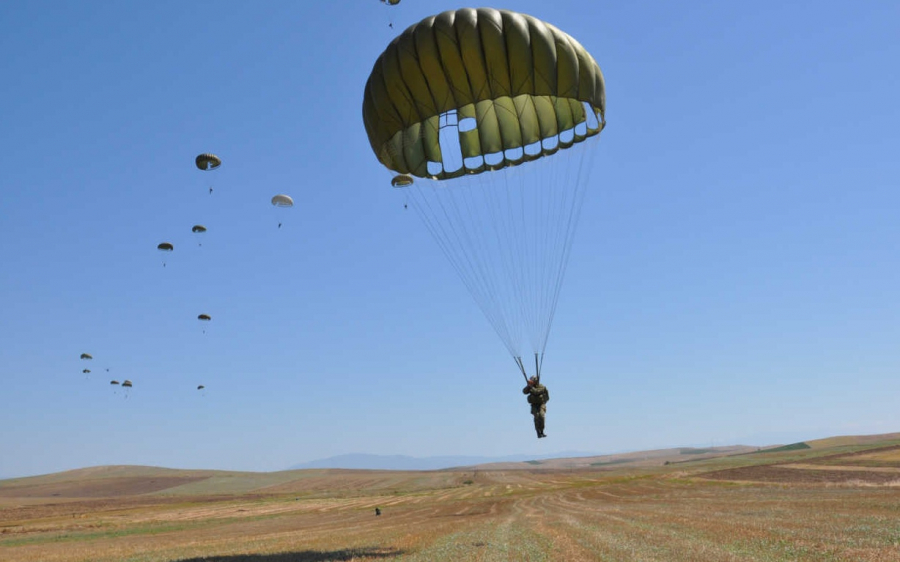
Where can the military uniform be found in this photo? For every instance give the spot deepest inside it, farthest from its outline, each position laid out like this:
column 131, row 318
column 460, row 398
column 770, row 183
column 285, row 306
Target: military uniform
column 538, row 396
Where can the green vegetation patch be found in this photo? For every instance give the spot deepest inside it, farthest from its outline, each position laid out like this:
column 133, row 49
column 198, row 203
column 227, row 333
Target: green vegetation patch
column 791, row 447
column 607, row 463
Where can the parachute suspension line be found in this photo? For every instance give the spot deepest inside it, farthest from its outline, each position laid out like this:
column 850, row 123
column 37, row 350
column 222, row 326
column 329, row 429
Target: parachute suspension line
column 521, row 367
column 584, row 152
column 537, row 366
column 457, row 246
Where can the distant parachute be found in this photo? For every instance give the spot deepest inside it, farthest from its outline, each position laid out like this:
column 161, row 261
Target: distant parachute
column 204, row 317
column 86, row 371
column 127, row 384
column 198, row 229
column 165, row 247
column 390, row 2
column 87, row 356
column 201, row 387
column 402, row 180
column 208, row 161
column 113, row 382
column 283, row 201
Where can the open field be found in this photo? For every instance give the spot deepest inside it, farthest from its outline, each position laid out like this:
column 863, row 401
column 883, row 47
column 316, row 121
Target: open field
column 823, row 501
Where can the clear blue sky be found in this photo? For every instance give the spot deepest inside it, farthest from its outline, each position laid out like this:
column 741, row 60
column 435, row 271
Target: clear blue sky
column 734, row 277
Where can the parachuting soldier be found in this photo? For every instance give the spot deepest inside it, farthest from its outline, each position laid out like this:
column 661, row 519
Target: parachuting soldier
column 538, row 396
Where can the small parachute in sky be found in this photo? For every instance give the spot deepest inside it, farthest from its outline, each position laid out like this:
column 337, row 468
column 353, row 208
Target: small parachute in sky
column 390, row 3
column 198, row 229
column 87, row 356
column 86, row 371
column 283, row 201
column 113, row 382
column 126, row 383
column 165, row 247
column 204, row 317
column 201, row 387
column 402, row 180
column 208, row 161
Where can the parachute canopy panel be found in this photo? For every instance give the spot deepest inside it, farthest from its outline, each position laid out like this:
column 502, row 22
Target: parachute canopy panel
column 127, row 384
column 510, row 87
column 165, row 247
column 282, row 201
column 208, row 161
column 87, row 356
column 204, row 317
column 198, row 228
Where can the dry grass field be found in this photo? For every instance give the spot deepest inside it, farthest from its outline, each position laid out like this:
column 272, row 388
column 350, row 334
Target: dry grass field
column 819, row 501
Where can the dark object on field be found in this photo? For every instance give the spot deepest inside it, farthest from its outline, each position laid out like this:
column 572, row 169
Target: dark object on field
column 377, row 511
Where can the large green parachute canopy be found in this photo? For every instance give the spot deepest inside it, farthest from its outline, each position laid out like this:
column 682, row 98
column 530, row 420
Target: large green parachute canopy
column 127, row 384
column 204, row 317
column 511, row 83
column 282, row 201
column 165, row 247
column 467, row 96
column 198, row 229
column 208, row 161
column 87, row 356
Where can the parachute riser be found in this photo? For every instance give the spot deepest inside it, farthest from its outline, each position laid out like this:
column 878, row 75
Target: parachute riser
column 538, row 362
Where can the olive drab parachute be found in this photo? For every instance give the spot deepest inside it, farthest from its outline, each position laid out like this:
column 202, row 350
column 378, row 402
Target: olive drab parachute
column 207, row 161
column 402, row 180
column 511, row 81
column 198, row 229
column 204, row 317
column 87, row 356
column 165, row 247
column 201, row 387
column 113, row 382
column 86, row 371
column 503, row 109
column 127, row 384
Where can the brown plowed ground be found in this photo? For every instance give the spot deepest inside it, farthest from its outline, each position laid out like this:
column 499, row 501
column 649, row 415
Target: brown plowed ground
column 869, row 467
column 104, row 488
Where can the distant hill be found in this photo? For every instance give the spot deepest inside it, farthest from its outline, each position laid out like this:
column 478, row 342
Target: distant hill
column 403, row 462
column 867, row 458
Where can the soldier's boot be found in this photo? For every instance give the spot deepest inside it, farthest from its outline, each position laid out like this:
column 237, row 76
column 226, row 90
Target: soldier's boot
column 539, row 425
